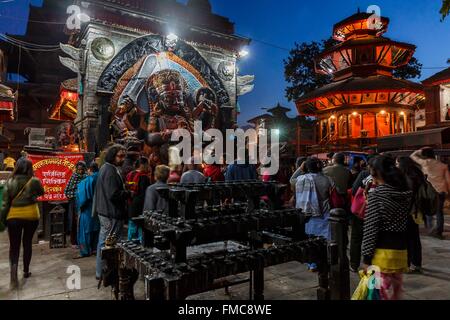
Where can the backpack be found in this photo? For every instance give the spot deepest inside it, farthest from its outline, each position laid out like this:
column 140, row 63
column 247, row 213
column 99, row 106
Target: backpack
column 133, row 181
column 427, row 199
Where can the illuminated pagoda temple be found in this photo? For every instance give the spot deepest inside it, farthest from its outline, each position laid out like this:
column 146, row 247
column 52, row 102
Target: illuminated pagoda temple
column 364, row 101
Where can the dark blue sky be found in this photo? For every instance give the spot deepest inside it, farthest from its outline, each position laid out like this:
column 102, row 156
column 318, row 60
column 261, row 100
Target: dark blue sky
column 283, row 22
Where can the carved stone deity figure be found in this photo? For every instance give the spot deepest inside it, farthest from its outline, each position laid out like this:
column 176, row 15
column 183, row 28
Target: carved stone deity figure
column 169, row 111
column 152, row 101
column 206, row 109
column 120, row 125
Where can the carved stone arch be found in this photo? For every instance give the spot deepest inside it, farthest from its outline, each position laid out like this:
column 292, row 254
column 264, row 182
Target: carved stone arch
column 151, row 44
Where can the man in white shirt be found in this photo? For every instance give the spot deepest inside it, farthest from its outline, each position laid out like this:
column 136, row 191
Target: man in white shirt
column 438, row 175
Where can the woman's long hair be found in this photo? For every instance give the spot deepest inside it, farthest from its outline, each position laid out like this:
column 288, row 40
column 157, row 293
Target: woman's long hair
column 24, row 167
column 384, row 167
column 412, row 171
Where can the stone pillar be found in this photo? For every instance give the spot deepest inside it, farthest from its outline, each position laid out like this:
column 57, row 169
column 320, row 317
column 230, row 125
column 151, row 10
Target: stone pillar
column 432, row 105
column 339, row 263
column 376, row 125
column 391, row 122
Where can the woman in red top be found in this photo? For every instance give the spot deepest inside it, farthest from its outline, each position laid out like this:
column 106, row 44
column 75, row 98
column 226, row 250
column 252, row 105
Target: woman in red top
column 213, row 172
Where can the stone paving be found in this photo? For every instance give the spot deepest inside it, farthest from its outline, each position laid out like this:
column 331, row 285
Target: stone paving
column 289, row 281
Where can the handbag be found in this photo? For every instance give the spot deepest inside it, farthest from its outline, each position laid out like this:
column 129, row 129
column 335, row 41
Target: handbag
column 336, row 200
column 359, row 204
column 6, row 210
column 362, row 290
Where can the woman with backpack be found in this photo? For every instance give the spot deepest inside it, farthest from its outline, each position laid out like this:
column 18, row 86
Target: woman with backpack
column 416, row 182
column 385, row 240
column 21, row 213
column 137, row 182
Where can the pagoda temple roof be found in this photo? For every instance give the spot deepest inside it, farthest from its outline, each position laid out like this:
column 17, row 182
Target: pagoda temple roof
column 356, row 17
column 368, row 41
column 279, row 108
column 359, row 23
column 438, row 78
column 363, row 85
column 262, row 116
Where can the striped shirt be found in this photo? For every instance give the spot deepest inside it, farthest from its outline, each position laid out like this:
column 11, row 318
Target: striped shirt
column 385, row 221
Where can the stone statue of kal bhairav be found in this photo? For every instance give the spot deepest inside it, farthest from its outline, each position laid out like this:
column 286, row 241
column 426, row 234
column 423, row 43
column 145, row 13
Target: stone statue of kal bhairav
column 169, row 110
column 163, row 100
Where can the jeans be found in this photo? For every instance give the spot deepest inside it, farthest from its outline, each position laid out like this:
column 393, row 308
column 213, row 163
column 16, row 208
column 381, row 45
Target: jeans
column 414, row 244
column 134, row 232
column 356, row 241
column 107, row 226
column 21, row 231
column 439, row 229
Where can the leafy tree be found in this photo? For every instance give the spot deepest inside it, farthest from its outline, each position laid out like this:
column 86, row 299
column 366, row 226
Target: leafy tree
column 410, row 71
column 445, row 10
column 299, row 68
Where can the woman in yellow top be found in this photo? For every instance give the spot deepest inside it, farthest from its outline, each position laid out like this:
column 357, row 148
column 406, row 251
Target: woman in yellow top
column 9, row 164
column 21, row 213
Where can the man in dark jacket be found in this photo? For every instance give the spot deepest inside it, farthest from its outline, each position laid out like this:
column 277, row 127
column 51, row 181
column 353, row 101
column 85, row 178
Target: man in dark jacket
column 110, row 202
column 340, row 174
column 153, row 200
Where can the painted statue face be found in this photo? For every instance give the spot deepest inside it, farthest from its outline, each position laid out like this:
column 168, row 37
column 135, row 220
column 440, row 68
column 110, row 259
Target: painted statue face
column 172, row 97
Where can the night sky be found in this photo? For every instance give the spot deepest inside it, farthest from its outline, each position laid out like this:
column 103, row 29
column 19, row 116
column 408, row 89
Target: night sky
column 283, row 22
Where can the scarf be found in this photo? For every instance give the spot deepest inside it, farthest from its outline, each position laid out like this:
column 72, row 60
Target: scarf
column 306, row 195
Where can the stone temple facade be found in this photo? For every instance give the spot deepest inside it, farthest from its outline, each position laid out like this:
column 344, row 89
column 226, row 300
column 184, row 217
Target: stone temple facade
column 120, row 50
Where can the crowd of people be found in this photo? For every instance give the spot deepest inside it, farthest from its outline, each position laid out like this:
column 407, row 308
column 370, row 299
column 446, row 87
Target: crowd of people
column 103, row 197
column 385, row 200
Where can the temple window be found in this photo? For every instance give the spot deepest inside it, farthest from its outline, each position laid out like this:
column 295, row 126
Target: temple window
column 355, row 125
column 343, row 132
column 383, row 124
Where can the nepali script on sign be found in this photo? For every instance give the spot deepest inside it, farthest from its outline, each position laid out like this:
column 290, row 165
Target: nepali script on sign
column 54, row 171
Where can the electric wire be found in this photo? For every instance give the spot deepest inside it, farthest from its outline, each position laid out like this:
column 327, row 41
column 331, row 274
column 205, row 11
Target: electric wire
column 19, row 45
column 28, row 43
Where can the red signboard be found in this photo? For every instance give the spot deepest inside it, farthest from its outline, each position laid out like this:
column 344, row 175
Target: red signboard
column 54, row 171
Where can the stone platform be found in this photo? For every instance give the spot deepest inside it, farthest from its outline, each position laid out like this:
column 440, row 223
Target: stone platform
column 289, row 281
